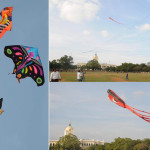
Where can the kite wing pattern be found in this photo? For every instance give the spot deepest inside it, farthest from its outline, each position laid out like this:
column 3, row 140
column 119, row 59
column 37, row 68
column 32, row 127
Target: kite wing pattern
column 27, row 62
column 6, row 21
column 17, row 53
column 117, row 100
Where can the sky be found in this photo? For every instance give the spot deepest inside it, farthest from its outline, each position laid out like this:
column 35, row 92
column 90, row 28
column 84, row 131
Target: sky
column 78, row 26
column 93, row 115
column 24, row 123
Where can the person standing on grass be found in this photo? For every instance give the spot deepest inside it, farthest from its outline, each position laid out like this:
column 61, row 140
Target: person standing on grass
column 82, row 78
column 127, row 76
column 78, row 76
column 55, row 76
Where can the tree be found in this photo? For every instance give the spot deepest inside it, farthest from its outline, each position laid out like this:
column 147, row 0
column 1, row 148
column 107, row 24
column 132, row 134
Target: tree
column 93, row 64
column 111, row 69
column 141, row 146
column 146, row 141
column 54, row 64
column 126, row 67
column 69, row 142
column 122, row 144
column 66, row 62
column 97, row 147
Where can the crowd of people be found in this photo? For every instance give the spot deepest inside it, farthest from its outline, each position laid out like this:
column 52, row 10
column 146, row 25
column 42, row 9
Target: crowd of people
column 55, row 76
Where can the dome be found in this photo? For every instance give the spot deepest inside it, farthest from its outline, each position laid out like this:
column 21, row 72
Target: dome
column 95, row 57
column 69, row 130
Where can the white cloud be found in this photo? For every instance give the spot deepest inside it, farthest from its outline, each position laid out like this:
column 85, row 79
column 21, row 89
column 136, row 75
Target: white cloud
column 138, row 94
column 105, row 33
column 86, row 32
column 77, row 10
column 144, row 27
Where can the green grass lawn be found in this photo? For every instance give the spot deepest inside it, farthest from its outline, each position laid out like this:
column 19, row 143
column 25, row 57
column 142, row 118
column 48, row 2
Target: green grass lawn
column 106, row 77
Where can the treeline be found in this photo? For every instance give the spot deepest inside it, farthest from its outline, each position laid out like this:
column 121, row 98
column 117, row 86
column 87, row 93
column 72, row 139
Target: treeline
column 124, row 144
column 67, row 142
column 129, row 67
column 71, row 142
column 64, row 63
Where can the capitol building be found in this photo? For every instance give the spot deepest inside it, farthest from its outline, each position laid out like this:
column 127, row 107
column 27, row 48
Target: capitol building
column 84, row 143
column 95, row 57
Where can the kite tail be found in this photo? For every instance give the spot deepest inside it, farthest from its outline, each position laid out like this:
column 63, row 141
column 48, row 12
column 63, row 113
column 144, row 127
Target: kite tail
column 2, row 33
column 142, row 114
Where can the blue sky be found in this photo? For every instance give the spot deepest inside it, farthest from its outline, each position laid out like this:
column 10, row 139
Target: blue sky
column 24, row 122
column 83, row 25
column 93, row 115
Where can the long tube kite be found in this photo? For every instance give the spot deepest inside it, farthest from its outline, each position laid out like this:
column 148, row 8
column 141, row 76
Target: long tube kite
column 6, row 21
column 115, row 20
column 117, row 100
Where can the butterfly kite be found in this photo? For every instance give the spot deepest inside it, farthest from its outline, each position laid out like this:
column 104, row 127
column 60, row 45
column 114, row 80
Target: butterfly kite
column 6, row 21
column 1, row 101
column 116, row 99
column 27, row 62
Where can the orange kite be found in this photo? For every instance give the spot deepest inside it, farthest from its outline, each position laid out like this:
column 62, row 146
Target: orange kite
column 6, row 21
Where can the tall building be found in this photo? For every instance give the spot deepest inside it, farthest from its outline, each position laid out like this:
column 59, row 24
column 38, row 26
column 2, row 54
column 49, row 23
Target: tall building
column 95, row 57
column 69, row 130
column 84, row 143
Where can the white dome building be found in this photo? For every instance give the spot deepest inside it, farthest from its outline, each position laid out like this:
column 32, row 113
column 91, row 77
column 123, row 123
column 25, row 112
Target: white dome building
column 84, row 143
column 95, row 57
column 69, row 130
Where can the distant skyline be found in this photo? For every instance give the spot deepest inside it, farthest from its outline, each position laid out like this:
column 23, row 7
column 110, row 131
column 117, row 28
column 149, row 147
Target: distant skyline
column 93, row 115
column 83, row 25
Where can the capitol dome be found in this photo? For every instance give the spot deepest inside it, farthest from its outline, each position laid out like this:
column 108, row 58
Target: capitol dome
column 69, row 130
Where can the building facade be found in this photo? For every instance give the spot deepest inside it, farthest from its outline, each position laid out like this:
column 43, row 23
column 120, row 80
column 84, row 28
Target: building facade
column 104, row 66
column 84, row 143
column 79, row 65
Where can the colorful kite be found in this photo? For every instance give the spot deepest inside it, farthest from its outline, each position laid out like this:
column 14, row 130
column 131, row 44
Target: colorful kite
column 27, row 62
column 1, row 101
column 6, row 22
column 115, row 20
column 116, row 99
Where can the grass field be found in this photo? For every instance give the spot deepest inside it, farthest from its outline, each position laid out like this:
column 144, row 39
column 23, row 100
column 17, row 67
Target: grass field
column 106, row 77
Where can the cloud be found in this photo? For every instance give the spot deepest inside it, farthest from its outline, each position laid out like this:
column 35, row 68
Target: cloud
column 144, row 27
column 138, row 94
column 77, row 10
column 86, row 32
column 105, row 33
